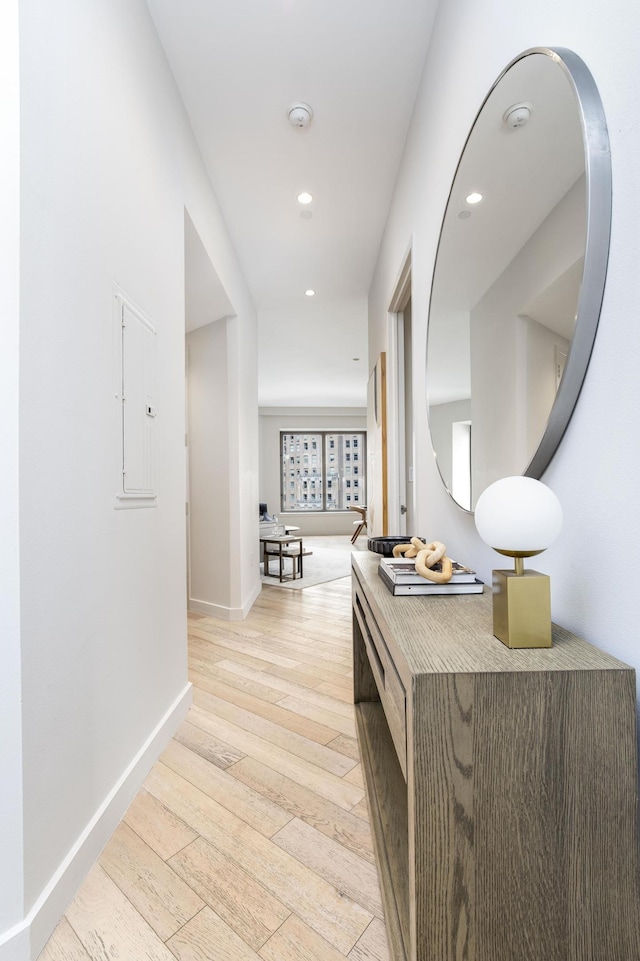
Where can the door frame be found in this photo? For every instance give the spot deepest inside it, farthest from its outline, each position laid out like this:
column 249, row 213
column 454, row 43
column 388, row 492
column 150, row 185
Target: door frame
column 396, row 452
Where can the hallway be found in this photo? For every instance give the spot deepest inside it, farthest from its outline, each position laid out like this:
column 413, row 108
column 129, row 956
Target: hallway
column 250, row 839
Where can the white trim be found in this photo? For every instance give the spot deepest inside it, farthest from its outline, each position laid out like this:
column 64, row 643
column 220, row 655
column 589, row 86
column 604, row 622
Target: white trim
column 221, row 612
column 402, row 286
column 128, row 501
column 396, row 455
column 298, row 513
column 27, row 939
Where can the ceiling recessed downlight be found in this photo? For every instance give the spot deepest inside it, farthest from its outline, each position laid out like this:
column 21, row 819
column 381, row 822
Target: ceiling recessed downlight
column 310, row 293
column 473, row 198
column 304, row 197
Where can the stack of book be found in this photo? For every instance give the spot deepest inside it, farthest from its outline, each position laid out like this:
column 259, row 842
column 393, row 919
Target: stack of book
column 401, row 577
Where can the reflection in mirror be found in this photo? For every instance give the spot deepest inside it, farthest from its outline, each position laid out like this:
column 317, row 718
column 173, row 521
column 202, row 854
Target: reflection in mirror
column 519, row 277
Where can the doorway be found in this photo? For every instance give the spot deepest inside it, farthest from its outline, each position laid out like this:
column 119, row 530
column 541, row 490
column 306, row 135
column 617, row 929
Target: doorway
column 208, row 407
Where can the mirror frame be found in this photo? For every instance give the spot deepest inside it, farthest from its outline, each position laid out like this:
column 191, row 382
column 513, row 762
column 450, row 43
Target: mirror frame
column 598, row 198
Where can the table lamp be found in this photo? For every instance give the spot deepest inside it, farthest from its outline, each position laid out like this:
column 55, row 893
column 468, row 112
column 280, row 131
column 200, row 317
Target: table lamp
column 520, row 517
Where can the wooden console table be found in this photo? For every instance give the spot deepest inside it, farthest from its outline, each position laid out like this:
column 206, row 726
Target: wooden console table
column 502, row 785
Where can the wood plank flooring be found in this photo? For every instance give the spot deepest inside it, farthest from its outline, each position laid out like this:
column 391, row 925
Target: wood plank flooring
column 249, row 840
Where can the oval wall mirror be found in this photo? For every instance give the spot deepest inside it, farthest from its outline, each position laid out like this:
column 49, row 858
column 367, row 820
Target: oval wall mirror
column 519, row 274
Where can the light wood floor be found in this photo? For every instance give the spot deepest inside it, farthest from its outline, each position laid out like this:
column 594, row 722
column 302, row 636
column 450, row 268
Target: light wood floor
column 249, row 840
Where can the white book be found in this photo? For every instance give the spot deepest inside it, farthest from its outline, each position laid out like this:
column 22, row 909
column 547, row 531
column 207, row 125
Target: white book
column 429, row 587
column 404, row 571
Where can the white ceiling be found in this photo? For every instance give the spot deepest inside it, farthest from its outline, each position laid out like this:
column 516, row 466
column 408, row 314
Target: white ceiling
column 239, row 65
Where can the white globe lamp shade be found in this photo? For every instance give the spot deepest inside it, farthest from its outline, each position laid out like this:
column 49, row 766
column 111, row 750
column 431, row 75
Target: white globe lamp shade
column 518, row 515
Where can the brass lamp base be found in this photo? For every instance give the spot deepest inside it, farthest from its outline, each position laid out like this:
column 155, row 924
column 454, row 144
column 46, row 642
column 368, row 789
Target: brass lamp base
column 522, row 608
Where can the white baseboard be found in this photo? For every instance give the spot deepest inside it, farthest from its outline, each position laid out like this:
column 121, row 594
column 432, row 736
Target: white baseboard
column 26, row 940
column 221, row 612
column 215, row 610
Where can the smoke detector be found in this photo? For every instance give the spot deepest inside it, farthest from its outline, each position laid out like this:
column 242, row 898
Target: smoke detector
column 300, row 115
column 517, row 115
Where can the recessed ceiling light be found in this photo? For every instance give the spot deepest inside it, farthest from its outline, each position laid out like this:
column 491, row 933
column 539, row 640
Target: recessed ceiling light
column 464, row 215
column 306, row 214
column 310, row 293
column 355, row 358
column 304, row 198
column 474, row 198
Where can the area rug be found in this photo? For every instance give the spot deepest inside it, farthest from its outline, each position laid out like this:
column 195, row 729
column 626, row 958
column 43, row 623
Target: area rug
column 322, row 565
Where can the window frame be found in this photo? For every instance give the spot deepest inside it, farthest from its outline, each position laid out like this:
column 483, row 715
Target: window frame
column 323, row 433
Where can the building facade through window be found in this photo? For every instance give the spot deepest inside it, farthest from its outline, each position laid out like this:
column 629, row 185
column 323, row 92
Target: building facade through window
column 322, row 470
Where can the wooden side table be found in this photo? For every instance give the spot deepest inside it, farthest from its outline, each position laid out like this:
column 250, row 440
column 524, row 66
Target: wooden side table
column 279, row 547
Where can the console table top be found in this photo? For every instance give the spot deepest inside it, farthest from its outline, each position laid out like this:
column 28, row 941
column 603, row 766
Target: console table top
column 452, row 634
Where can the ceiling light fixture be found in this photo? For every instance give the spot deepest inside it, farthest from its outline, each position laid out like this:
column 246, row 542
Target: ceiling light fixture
column 310, row 293
column 474, row 198
column 300, row 115
column 304, row 197
column 517, row 115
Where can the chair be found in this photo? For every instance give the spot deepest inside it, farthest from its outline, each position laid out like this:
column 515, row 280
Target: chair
column 267, row 524
column 263, row 511
column 360, row 525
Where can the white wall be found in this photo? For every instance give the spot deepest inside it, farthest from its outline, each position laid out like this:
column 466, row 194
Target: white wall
column 541, row 381
column 242, row 356
column 596, row 468
column 441, row 420
column 108, row 165
column 275, row 419
column 11, row 874
column 210, row 487
column 509, row 385
column 102, row 590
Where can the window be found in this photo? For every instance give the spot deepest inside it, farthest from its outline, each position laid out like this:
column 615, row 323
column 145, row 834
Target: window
column 323, row 482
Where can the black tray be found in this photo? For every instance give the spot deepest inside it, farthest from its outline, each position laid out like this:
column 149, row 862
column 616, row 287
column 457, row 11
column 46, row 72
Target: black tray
column 385, row 545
